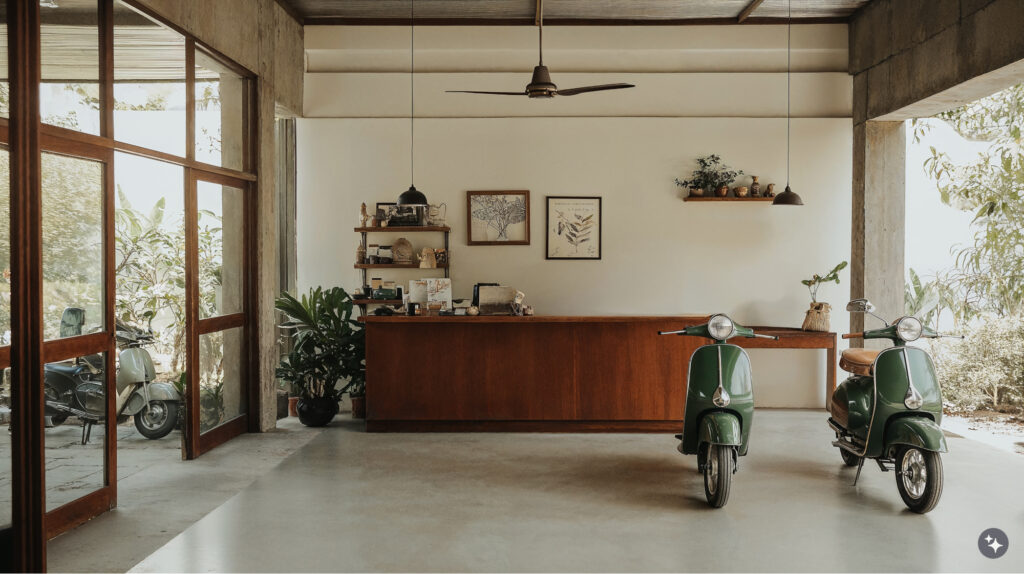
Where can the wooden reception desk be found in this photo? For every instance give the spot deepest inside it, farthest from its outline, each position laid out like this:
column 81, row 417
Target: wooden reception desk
column 568, row 374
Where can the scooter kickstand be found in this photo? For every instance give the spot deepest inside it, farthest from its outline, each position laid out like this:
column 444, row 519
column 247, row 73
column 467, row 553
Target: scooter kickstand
column 859, row 468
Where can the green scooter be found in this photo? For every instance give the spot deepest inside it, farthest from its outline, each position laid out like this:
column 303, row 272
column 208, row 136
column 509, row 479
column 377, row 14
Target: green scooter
column 719, row 404
column 890, row 408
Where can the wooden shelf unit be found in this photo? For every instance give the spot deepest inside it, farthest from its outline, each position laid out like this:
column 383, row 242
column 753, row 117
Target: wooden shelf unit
column 363, row 303
column 703, row 198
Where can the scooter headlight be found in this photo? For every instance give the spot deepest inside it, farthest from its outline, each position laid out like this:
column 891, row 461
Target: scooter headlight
column 720, row 327
column 908, row 328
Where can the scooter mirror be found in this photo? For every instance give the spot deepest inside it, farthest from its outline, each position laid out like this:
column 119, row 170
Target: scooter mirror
column 860, row 306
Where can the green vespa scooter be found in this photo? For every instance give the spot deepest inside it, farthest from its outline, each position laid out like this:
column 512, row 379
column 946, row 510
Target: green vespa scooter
column 889, row 409
column 719, row 404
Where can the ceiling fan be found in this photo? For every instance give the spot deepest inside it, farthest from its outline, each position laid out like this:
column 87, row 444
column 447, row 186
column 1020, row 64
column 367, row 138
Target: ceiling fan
column 540, row 85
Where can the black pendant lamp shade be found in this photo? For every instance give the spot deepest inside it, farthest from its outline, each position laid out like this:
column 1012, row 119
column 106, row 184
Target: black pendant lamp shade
column 413, row 197
column 788, row 197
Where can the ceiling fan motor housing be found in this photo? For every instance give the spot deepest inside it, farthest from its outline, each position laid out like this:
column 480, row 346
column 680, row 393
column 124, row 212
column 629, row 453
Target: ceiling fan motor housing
column 541, row 85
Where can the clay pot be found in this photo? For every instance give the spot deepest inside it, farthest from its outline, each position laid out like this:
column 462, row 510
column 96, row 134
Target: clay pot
column 722, row 191
column 292, row 404
column 741, row 191
column 358, row 407
column 696, row 192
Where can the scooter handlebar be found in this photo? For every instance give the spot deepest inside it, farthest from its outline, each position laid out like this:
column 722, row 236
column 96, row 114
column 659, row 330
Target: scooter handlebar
column 772, row 337
column 853, row 335
column 681, row 332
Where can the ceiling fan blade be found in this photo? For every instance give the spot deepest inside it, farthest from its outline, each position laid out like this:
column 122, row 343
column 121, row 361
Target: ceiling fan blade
column 585, row 89
column 490, row 93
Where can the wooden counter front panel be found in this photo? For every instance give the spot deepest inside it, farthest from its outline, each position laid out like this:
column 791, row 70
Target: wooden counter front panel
column 529, row 371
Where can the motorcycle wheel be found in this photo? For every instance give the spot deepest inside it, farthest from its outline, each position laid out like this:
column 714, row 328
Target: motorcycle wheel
column 158, row 421
column 718, row 475
column 849, row 459
column 919, row 478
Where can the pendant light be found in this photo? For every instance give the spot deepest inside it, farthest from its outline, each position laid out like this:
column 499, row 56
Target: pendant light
column 788, row 197
column 412, row 197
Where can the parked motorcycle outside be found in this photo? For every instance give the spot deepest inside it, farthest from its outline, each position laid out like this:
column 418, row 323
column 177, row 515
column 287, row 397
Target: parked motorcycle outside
column 719, row 404
column 890, row 409
column 77, row 388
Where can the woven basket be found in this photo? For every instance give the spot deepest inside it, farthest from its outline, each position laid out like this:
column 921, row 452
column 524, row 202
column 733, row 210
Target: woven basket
column 817, row 318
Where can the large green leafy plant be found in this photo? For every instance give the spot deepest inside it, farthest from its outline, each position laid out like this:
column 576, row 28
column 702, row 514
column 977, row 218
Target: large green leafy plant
column 328, row 345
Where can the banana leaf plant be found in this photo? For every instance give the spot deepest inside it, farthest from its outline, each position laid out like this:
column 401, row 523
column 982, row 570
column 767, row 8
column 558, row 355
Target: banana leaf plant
column 328, row 344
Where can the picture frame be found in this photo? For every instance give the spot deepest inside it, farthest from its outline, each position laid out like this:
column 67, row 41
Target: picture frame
column 399, row 216
column 498, row 217
column 573, row 228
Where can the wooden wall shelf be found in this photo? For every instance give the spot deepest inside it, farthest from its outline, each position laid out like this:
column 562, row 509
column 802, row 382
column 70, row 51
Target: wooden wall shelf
column 396, row 266
column 762, row 199
column 403, row 229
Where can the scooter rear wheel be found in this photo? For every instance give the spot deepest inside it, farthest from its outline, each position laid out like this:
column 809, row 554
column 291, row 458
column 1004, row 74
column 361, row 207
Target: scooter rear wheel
column 718, row 474
column 919, row 478
column 157, row 421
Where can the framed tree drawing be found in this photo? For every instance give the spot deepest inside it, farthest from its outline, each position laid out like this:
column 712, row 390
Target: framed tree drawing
column 573, row 227
column 498, row 217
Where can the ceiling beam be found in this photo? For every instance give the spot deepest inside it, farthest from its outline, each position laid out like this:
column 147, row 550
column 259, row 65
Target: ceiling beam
column 291, row 11
column 345, row 21
column 748, row 10
column 539, row 13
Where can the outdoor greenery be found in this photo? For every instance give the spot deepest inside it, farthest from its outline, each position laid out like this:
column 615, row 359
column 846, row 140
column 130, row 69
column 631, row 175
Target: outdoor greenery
column 328, row 344
column 983, row 291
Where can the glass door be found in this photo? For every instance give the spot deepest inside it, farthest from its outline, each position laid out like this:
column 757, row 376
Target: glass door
column 217, row 227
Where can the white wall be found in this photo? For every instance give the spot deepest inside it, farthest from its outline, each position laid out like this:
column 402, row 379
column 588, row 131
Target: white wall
column 660, row 256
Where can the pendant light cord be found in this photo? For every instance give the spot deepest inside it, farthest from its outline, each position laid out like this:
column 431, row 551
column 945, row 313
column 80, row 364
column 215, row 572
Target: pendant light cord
column 412, row 93
column 789, row 52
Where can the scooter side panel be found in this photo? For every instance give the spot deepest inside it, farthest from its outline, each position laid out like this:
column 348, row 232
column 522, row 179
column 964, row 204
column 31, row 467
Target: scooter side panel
column 892, row 383
column 709, row 365
column 915, row 431
column 157, row 392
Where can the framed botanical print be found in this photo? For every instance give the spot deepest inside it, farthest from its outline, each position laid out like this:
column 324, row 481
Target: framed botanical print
column 573, row 227
column 498, row 217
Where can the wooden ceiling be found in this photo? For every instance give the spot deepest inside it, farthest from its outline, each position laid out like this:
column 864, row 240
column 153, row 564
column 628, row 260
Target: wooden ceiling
column 568, row 12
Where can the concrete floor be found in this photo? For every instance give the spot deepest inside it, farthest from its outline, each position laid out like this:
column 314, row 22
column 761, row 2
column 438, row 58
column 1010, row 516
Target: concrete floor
column 159, row 495
column 351, row 501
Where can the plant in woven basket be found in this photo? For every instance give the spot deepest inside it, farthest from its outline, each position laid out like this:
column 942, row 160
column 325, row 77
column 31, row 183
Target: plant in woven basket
column 817, row 318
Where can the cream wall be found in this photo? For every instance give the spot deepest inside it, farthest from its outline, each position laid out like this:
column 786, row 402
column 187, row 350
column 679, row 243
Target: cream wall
column 660, row 256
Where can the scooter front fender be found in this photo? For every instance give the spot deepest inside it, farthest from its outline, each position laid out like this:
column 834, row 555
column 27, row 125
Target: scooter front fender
column 922, row 432
column 720, row 427
column 157, row 392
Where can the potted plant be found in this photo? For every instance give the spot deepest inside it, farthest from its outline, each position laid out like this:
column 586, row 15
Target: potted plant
column 357, row 392
column 713, row 176
column 328, row 346
column 817, row 318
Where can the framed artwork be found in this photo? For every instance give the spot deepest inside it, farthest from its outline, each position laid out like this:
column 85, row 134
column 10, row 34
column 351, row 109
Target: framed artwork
column 498, row 217
column 573, row 227
column 398, row 216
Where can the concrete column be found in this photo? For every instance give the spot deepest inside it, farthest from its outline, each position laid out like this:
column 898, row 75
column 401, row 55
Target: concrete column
column 879, row 209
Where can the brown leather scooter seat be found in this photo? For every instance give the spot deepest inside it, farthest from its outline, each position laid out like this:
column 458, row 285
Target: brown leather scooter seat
column 858, row 361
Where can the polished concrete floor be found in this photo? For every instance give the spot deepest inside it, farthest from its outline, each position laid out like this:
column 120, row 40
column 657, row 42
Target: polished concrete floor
column 351, row 501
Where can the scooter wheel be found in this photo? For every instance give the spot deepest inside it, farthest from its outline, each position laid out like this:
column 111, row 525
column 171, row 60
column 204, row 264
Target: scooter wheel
column 849, row 459
column 718, row 475
column 919, row 478
column 157, row 421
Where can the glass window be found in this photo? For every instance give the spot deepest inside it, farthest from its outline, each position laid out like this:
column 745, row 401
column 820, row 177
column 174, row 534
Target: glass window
column 221, row 389
column 72, row 198
column 5, row 336
column 221, row 224
column 149, row 255
column 70, row 65
column 5, row 87
column 149, row 83
column 220, row 113
column 74, row 469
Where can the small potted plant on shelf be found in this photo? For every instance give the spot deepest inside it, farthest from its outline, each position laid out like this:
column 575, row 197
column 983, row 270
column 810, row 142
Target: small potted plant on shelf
column 327, row 346
column 817, row 318
column 712, row 177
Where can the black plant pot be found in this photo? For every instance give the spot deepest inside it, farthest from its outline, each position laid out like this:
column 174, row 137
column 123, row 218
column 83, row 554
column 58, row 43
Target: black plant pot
column 316, row 412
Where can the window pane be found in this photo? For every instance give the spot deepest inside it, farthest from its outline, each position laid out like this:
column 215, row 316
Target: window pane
column 221, row 389
column 5, row 246
column 72, row 198
column 5, row 87
column 5, row 449
column 70, row 65
column 220, row 249
column 149, row 83
column 220, row 113
column 74, row 469
column 149, row 232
